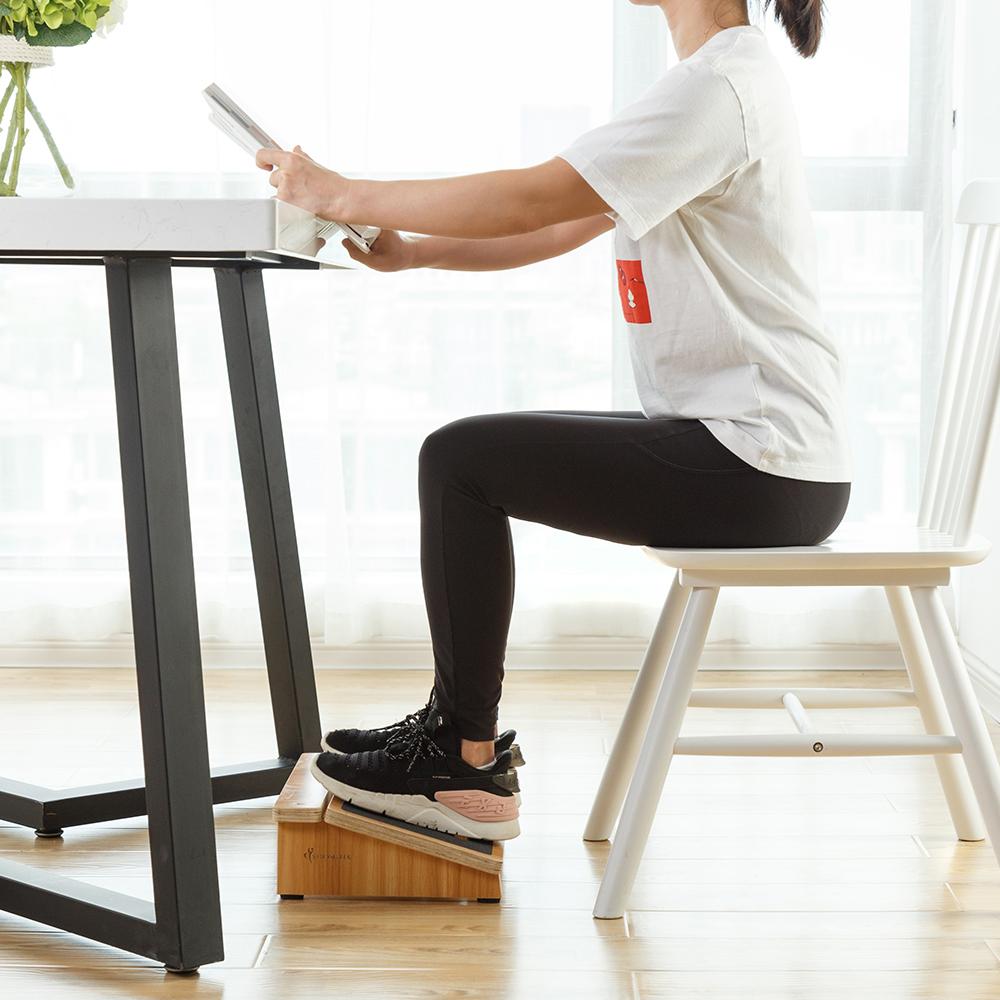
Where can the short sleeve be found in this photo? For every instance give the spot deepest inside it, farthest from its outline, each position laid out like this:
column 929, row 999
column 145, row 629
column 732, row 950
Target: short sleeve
column 685, row 135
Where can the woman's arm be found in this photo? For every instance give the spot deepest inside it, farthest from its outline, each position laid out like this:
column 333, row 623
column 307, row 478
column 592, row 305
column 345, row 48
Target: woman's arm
column 509, row 251
column 393, row 252
column 475, row 206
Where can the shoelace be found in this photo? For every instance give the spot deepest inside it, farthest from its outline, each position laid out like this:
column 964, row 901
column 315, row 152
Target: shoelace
column 413, row 719
column 417, row 743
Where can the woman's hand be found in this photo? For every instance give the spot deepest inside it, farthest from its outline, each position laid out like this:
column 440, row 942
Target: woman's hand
column 390, row 252
column 301, row 181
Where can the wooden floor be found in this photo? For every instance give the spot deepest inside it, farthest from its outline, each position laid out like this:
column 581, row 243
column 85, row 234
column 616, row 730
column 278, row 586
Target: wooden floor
column 827, row 879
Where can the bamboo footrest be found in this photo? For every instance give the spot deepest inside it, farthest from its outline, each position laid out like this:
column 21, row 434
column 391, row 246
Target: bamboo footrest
column 327, row 847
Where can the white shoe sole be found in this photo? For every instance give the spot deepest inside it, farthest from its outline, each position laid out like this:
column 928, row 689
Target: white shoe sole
column 418, row 810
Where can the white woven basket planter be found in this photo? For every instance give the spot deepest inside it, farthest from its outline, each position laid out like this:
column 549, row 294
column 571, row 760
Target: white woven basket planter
column 15, row 50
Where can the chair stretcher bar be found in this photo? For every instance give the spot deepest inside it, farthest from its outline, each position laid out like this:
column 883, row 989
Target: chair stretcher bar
column 815, row 744
column 809, row 697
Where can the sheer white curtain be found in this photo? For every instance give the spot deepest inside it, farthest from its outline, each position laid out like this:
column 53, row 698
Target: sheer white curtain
column 369, row 364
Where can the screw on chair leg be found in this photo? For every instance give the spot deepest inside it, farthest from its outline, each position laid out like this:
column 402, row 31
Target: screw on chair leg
column 49, row 834
column 654, row 760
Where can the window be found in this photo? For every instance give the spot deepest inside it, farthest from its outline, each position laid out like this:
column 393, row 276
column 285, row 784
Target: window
column 367, row 364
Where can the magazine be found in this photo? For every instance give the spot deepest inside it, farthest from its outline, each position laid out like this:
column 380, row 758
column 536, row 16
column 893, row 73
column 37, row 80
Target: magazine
column 231, row 119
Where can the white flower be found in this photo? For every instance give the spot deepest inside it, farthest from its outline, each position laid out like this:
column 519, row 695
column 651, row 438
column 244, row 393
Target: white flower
column 111, row 20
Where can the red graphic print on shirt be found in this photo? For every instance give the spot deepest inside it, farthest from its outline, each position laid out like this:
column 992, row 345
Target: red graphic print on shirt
column 632, row 288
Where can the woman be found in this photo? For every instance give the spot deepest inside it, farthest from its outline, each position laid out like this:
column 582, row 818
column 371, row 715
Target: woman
column 741, row 440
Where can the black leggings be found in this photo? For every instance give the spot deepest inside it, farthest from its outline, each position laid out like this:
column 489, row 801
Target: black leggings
column 620, row 476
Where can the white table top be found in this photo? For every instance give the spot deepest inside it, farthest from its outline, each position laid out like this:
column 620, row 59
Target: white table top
column 252, row 227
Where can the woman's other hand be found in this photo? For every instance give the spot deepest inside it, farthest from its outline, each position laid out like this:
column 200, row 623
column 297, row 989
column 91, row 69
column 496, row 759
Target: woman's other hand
column 390, row 252
column 300, row 180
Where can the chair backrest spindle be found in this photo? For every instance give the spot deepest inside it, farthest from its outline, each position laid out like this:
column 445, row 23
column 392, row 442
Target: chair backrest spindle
column 970, row 381
column 930, row 500
column 968, row 326
column 978, row 416
column 977, row 351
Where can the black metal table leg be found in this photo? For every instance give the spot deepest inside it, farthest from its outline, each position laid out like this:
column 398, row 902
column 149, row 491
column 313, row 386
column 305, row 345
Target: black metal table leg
column 164, row 614
column 276, row 564
column 269, row 508
column 182, row 927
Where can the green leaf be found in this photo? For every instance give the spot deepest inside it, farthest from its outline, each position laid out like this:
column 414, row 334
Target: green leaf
column 69, row 34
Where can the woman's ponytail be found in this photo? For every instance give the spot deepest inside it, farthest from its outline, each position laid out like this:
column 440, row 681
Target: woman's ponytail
column 802, row 20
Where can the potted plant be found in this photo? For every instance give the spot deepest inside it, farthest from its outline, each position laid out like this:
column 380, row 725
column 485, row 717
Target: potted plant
column 29, row 30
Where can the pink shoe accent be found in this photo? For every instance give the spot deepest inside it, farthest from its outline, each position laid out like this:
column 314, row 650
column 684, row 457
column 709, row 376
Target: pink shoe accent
column 480, row 805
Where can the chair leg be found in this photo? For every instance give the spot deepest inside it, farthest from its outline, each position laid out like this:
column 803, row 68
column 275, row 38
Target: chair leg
column 657, row 751
column 963, row 708
column 951, row 770
column 621, row 764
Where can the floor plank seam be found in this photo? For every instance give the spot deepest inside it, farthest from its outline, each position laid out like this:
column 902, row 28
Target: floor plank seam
column 954, row 896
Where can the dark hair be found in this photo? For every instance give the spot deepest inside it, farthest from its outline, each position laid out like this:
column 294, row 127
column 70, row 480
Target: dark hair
column 802, row 20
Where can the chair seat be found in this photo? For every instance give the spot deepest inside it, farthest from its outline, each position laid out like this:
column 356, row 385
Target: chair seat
column 851, row 546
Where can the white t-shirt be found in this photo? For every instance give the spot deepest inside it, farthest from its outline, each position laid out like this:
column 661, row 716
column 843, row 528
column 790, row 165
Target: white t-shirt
column 717, row 258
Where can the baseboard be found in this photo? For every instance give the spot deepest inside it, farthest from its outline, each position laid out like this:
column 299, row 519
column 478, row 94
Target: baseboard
column 985, row 680
column 577, row 654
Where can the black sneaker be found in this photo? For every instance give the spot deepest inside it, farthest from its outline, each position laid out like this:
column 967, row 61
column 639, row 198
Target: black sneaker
column 357, row 740
column 421, row 778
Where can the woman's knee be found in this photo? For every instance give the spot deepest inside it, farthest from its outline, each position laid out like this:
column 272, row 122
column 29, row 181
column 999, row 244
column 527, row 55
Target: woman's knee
column 447, row 452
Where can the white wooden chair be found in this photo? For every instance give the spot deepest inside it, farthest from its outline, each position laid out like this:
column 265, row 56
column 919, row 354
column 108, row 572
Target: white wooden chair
column 910, row 562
